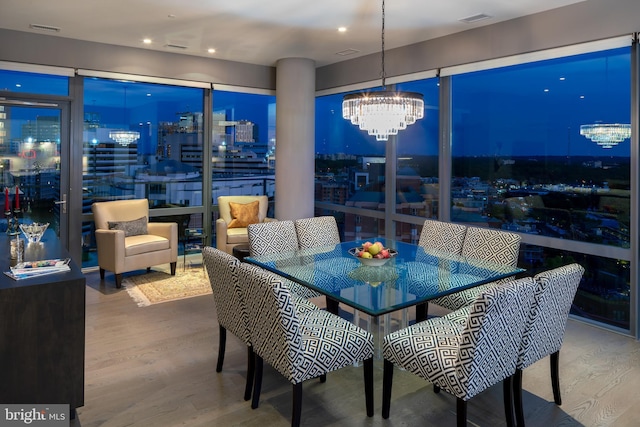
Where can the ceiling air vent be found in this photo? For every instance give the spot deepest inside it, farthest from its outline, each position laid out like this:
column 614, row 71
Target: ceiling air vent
column 347, row 52
column 175, row 46
column 44, row 28
column 475, row 18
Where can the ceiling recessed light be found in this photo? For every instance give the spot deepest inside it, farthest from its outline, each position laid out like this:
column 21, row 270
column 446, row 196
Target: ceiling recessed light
column 342, row 29
column 171, row 16
column 546, row 90
column 146, row 41
column 211, row 50
column 563, row 78
column 475, row 18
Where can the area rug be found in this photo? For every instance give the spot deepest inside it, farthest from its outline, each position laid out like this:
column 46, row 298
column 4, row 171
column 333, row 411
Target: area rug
column 157, row 286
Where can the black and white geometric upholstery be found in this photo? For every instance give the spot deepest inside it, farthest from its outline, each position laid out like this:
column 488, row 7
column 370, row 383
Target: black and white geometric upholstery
column 273, row 238
column 546, row 325
column 464, row 359
column 497, row 246
column 231, row 308
column 317, row 232
column 442, row 236
column 300, row 345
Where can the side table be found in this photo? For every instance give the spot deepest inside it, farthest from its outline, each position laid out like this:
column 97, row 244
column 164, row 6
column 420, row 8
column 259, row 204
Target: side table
column 194, row 240
column 241, row 251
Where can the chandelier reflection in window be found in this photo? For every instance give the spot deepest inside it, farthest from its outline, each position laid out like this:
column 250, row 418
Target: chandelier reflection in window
column 606, row 135
column 124, row 136
column 383, row 113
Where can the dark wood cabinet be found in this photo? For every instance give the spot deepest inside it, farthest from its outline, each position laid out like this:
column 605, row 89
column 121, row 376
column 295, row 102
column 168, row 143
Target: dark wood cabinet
column 42, row 324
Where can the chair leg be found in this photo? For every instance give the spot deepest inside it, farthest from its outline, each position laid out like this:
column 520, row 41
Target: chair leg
column 251, row 367
column 173, row 268
column 221, row 347
column 257, row 382
column 387, row 382
column 118, row 280
column 436, row 389
column 368, row 385
column 148, row 269
column 517, row 397
column 323, row 378
column 555, row 377
column 102, row 274
column 332, row 305
column 422, row 312
column 507, row 391
column 297, row 405
column 461, row 411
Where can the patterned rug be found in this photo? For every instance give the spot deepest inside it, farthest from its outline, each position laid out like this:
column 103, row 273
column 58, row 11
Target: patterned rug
column 158, row 286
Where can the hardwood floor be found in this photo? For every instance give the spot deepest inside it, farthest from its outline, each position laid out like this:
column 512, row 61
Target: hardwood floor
column 155, row 366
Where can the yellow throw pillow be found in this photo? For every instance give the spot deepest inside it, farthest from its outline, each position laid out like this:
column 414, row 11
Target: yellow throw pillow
column 244, row 214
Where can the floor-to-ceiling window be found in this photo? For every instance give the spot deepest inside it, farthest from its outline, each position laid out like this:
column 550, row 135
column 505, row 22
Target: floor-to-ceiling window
column 527, row 156
column 142, row 140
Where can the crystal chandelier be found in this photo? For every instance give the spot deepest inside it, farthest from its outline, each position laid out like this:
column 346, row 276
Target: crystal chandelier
column 606, row 135
column 383, row 113
column 124, row 136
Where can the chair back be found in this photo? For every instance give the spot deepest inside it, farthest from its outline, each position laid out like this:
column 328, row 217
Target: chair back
column 272, row 237
column 497, row 246
column 273, row 319
column 317, row 232
column 231, row 309
column 442, row 236
column 119, row 210
column 488, row 345
column 547, row 322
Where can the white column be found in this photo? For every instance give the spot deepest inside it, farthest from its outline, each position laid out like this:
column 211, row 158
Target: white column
column 295, row 138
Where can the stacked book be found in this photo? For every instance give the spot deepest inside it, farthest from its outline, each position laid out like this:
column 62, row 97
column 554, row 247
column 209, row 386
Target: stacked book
column 26, row 270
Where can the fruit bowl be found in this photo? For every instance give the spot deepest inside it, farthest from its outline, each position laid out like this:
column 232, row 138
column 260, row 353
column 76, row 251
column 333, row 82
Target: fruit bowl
column 33, row 232
column 373, row 262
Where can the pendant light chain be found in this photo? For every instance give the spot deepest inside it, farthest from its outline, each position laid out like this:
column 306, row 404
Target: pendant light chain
column 384, row 75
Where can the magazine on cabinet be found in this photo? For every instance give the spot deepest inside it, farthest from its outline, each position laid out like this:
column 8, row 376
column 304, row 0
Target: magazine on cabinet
column 25, row 270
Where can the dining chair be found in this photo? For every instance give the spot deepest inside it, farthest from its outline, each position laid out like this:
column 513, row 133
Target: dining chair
column 300, row 346
column 277, row 237
column 484, row 244
column 231, row 309
column 546, row 325
column 464, row 359
column 317, row 232
column 442, row 237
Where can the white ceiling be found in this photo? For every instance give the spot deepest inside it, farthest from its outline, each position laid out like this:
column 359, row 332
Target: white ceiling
column 261, row 32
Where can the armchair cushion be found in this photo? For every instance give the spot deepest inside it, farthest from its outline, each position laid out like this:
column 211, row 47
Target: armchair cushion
column 136, row 227
column 244, row 214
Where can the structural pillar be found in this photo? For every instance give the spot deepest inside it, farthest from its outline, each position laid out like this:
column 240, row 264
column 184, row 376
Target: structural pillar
column 295, row 138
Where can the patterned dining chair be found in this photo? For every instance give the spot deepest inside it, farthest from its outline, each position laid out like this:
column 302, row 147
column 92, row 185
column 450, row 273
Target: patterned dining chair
column 276, row 237
column 485, row 244
column 231, row 309
column 316, row 232
column 300, row 346
column 442, row 237
column 319, row 233
column 546, row 327
column 464, row 359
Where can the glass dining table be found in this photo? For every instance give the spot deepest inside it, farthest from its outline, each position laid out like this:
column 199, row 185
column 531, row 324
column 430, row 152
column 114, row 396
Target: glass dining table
column 412, row 277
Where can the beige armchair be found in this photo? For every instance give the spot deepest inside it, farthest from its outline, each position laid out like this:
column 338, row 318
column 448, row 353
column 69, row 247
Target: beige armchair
column 127, row 241
column 228, row 237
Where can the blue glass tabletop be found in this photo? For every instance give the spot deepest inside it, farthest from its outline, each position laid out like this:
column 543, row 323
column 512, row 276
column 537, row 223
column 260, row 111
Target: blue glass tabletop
column 410, row 277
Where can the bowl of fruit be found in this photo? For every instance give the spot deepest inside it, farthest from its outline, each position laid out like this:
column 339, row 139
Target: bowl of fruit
column 373, row 254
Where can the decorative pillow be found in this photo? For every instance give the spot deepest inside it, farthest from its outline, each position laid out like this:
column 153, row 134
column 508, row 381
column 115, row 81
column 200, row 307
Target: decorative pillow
column 244, row 214
column 130, row 228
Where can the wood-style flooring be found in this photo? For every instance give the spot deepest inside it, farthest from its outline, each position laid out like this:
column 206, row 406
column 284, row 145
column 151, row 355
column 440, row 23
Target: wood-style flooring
column 155, row 366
